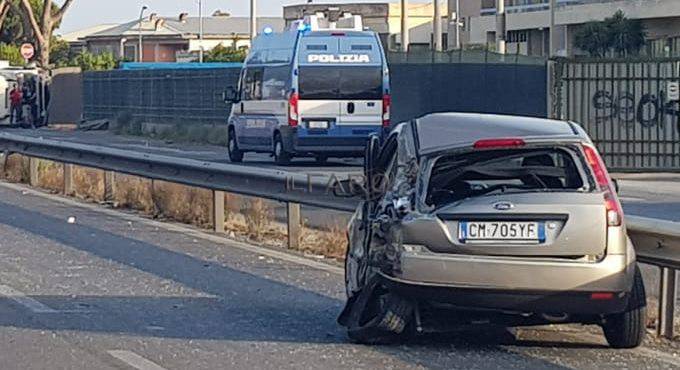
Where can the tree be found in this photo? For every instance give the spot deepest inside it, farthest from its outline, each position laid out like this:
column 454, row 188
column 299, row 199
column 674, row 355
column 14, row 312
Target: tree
column 594, row 38
column 43, row 25
column 4, row 10
column 617, row 33
column 94, row 62
column 12, row 54
column 627, row 35
column 221, row 53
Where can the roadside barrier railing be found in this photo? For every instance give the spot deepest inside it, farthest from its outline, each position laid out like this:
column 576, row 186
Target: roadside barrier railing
column 657, row 242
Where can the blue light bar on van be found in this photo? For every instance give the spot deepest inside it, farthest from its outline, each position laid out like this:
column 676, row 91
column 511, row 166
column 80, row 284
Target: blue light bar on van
column 268, row 30
column 302, row 27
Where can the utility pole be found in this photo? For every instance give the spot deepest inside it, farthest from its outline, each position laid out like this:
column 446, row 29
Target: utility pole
column 437, row 27
column 457, row 20
column 404, row 26
column 253, row 21
column 141, row 45
column 553, row 34
column 500, row 26
column 200, row 31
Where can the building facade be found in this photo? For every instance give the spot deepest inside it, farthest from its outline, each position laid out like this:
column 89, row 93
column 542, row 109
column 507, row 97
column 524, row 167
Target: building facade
column 166, row 39
column 528, row 23
column 383, row 18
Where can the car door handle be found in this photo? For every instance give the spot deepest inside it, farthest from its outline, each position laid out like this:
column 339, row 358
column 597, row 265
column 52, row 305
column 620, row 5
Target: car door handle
column 350, row 108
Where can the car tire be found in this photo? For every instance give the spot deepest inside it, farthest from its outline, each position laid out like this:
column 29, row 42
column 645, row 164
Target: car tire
column 235, row 154
column 627, row 329
column 389, row 322
column 321, row 159
column 281, row 156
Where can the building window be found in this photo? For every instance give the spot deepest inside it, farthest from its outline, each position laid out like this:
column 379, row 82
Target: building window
column 130, row 52
column 517, row 36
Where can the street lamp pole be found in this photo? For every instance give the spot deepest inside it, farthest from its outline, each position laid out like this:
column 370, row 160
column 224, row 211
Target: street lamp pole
column 253, row 20
column 404, row 26
column 437, row 26
column 141, row 45
column 457, row 20
column 200, row 31
column 500, row 26
column 553, row 33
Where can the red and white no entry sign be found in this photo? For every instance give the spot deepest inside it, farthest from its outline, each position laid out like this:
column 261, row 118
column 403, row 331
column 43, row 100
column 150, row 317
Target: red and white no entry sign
column 27, row 51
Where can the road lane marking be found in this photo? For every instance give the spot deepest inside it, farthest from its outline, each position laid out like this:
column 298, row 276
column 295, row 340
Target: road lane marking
column 135, row 360
column 24, row 300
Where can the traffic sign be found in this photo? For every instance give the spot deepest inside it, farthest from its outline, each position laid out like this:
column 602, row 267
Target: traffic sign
column 27, row 51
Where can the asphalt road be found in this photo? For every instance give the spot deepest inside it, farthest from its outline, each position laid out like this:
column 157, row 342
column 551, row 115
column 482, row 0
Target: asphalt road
column 111, row 290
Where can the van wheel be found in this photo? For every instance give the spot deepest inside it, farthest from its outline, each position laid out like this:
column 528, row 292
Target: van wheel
column 280, row 155
column 235, row 154
column 627, row 329
column 321, row 159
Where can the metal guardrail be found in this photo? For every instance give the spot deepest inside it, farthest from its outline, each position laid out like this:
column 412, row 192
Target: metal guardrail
column 657, row 242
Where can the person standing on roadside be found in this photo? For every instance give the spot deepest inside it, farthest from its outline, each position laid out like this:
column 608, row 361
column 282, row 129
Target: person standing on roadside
column 16, row 99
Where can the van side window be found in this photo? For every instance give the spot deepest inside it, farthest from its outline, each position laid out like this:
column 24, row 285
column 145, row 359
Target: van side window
column 276, row 82
column 252, row 84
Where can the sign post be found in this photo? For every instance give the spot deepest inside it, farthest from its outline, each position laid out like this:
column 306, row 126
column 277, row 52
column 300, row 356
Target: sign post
column 27, row 51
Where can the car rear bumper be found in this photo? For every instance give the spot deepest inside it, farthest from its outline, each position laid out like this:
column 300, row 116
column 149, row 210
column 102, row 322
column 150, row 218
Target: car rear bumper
column 518, row 284
column 345, row 141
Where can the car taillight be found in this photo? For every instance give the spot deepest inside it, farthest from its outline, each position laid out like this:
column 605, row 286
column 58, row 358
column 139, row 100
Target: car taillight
column 604, row 183
column 387, row 106
column 498, row 143
column 293, row 101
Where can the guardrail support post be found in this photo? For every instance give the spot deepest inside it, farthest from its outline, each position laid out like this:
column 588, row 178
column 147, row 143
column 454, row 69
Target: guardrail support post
column 32, row 171
column 109, row 185
column 68, row 179
column 294, row 225
column 666, row 303
column 218, row 211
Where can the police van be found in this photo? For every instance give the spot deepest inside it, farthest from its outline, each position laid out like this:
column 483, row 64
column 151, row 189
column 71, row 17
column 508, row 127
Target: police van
column 318, row 89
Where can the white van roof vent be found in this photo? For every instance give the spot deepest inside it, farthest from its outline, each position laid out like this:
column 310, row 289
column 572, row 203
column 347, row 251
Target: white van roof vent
column 319, row 22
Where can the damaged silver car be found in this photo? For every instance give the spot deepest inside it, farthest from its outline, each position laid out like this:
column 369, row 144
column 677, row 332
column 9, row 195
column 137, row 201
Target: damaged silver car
column 470, row 218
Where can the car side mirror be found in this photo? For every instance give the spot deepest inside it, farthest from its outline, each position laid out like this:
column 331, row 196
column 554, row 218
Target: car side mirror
column 230, row 95
column 349, row 188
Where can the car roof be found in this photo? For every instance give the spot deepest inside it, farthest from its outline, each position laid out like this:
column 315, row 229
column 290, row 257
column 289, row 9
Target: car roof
column 442, row 131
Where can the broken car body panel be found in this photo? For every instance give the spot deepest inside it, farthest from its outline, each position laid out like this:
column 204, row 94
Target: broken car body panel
column 408, row 244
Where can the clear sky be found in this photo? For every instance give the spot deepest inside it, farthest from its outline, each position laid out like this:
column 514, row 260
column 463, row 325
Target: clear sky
column 85, row 13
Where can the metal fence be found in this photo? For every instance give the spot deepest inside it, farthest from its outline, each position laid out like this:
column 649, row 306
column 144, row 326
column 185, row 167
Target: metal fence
column 422, row 82
column 160, row 96
column 629, row 108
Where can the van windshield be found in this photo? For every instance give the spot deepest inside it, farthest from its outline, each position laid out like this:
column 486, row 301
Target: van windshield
column 491, row 172
column 341, row 83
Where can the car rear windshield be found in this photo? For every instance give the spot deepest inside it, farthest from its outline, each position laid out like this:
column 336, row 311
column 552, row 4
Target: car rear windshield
column 341, row 83
column 491, row 172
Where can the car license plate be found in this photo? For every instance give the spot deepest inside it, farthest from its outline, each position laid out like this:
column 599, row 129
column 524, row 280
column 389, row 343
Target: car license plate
column 501, row 231
column 318, row 124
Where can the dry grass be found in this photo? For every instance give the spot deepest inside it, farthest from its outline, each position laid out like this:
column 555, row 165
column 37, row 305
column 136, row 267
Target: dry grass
column 16, row 169
column 134, row 193
column 183, row 203
column 50, row 175
column 258, row 217
column 88, row 183
column 329, row 243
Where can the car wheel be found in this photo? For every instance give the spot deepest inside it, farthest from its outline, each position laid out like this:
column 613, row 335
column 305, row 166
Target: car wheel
column 321, row 159
column 627, row 329
column 280, row 155
column 235, row 154
column 387, row 321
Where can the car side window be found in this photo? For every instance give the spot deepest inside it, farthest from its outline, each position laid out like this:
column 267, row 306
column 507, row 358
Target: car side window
column 252, row 84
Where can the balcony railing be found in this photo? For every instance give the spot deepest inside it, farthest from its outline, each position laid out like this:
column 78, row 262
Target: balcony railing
column 524, row 6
